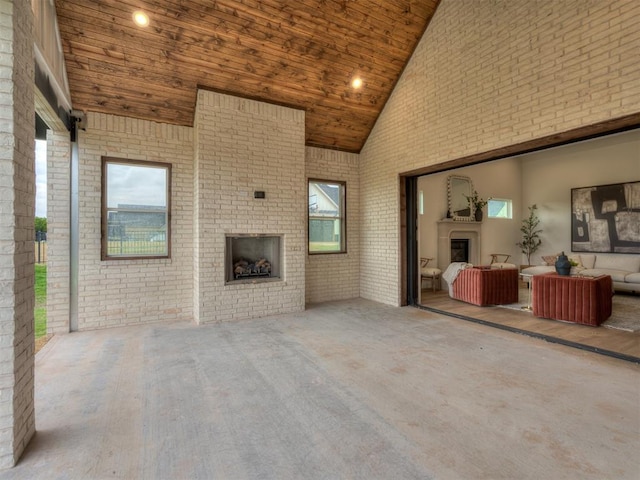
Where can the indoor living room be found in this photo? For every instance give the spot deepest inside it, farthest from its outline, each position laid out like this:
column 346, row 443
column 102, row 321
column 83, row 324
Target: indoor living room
column 545, row 179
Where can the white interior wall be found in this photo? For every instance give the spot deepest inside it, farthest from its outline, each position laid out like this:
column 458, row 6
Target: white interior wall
column 548, row 177
column 498, row 179
column 544, row 178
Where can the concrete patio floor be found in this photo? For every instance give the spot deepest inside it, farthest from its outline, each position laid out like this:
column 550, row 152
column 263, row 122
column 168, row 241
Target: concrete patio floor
column 349, row 389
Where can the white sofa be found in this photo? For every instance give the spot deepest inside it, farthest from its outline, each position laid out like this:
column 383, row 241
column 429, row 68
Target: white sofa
column 624, row 269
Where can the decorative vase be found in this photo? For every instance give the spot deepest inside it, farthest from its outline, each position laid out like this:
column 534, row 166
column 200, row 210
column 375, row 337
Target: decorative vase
column 563, row 265
column 478, row 214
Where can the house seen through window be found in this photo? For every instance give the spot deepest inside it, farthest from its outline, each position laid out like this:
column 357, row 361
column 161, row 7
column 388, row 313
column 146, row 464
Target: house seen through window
column 135, row 209
column 327, row 217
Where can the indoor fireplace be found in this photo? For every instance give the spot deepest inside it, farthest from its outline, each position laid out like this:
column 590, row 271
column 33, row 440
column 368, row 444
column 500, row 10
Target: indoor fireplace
column 460, row 250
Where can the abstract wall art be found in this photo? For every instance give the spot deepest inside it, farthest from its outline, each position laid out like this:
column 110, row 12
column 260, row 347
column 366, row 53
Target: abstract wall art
column 606, row 218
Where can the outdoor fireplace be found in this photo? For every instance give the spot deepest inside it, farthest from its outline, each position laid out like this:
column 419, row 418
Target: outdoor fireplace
column 252, row 257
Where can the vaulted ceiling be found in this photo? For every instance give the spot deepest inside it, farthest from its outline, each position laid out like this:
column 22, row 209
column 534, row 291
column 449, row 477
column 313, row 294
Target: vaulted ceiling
column 299, row 53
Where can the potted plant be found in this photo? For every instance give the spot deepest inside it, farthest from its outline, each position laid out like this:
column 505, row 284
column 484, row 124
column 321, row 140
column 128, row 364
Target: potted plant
column 477, row 204
column 530, row 234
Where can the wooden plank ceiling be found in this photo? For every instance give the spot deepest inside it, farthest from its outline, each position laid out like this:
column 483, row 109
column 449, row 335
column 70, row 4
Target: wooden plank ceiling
column 300, row 53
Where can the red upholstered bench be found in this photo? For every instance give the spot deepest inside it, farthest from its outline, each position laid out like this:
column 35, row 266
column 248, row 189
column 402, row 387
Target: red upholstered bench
column 486, row 286
column 585, row 300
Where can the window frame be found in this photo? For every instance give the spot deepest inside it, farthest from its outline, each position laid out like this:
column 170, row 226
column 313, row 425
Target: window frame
column 508, row 201
column 342, row 217
column 104, row 208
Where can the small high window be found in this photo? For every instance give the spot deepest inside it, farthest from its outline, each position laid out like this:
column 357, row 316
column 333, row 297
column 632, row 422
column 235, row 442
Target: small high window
column 136, row 213
column 499, row 208
column 327, row 217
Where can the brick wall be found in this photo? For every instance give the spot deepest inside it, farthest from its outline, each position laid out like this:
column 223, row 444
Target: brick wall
column 336, row 276
column 17, row 205
column 243, row 146
column 485, row 75
column 125, row 292
column 58, row 234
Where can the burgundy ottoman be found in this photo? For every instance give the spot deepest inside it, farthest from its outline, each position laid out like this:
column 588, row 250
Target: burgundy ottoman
column 585, row 300
column 486, row 286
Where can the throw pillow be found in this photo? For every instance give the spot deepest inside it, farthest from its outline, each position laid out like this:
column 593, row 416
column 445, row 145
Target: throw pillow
column 587, row 261
column 550, row 260
column 576, row 259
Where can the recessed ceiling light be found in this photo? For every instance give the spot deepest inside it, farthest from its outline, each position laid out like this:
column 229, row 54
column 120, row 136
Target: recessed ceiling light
column 140, row 18
column 356, row 83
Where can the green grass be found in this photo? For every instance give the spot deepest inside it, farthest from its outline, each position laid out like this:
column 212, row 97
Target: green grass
column 40, row 311
column 324, row 247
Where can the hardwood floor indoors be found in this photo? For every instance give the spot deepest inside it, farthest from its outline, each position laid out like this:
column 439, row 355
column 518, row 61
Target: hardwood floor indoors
column 616, row 343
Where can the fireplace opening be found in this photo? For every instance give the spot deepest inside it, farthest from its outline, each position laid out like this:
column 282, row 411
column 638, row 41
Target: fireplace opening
column 252, row 257
column 460, row 250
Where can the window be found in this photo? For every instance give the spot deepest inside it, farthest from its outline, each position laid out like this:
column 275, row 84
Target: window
column 327, row 217
column 136, row 213
column 499, row 208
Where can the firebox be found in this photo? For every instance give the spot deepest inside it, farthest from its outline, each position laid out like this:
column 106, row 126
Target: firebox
column 252, row 257
column 459, row 249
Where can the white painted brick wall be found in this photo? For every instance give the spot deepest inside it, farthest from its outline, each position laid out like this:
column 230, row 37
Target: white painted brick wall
column 486, row 75
column 17, row 206
column 58, row 233
column 126, row 292
column 336, row 276
column 243, row 146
